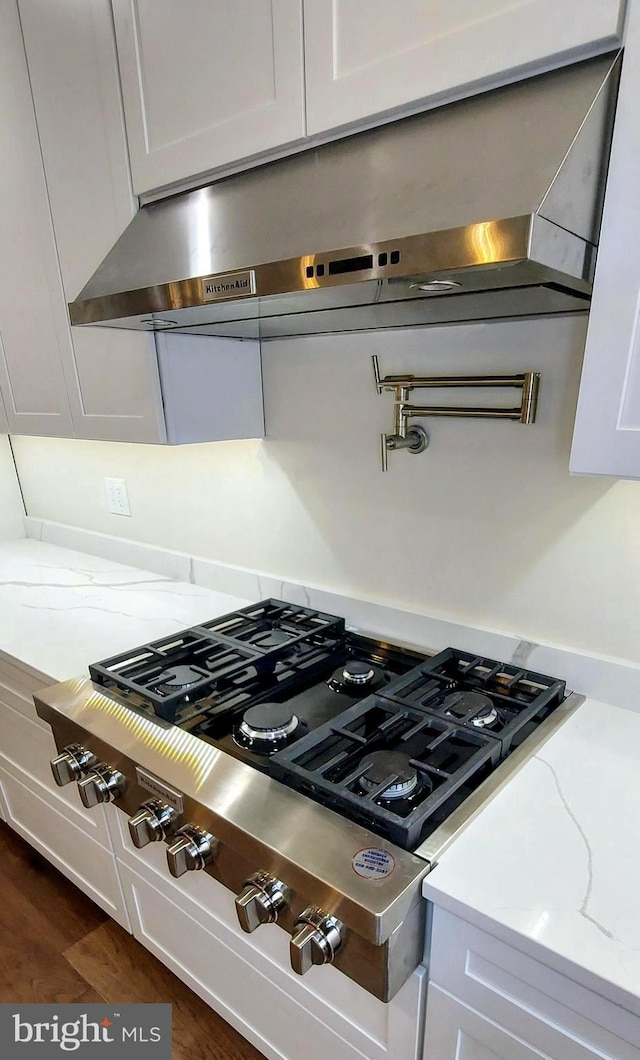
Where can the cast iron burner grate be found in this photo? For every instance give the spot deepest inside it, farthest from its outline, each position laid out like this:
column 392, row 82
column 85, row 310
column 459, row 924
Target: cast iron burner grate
column 222, row 663
column 331, row 763
column 472, row 691
column 451, row 719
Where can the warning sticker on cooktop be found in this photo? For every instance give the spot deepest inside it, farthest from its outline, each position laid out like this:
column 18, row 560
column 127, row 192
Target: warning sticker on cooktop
column 373, row 863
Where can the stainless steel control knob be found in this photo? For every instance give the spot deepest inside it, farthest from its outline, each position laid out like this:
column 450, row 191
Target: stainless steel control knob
column 316, row 939
column 153, row 822
column 192, row 848
column 71, row 764
column 260, row 901
column 103, row 783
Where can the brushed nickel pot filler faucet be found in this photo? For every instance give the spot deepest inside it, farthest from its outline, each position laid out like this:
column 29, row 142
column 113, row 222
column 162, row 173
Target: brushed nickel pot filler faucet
column 414, row 438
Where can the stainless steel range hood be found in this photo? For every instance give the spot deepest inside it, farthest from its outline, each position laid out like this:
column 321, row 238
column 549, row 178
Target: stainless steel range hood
column 485, row 208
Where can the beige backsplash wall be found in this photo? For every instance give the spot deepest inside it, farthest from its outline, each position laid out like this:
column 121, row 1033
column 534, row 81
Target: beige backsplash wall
column 11, row 510
column 486, row 527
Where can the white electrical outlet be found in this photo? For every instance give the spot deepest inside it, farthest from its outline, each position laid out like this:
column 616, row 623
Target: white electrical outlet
column 117, row 497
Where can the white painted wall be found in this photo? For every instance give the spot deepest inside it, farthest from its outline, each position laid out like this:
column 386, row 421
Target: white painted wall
column 486, row 527
column 11, row 510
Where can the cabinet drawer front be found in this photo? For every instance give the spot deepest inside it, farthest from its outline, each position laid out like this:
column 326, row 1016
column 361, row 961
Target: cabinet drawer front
column 550, row 1010
column 20, row 680
column 237, row 980
column 86, row 863
column 22, row 703
column 27, row 748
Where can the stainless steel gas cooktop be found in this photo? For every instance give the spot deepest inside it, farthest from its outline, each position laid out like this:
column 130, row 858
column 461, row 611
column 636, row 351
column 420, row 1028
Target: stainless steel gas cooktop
column 334, row 768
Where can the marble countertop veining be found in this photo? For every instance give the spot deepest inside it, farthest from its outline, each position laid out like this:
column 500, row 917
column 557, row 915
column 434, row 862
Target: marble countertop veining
column 552, row 864
column 61, row 610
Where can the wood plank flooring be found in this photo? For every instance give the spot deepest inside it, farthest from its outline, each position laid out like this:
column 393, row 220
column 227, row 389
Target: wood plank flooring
column 57, row 946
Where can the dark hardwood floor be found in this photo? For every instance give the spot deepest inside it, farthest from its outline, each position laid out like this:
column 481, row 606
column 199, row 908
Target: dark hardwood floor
column 57, row 946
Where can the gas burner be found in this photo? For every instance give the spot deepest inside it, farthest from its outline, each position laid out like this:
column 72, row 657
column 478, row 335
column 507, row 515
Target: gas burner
column 461, row 705
column 266, row 727
column 357, row 678
column 178, row 679
column 357, row 673
column 270, row 638
column 380, row 765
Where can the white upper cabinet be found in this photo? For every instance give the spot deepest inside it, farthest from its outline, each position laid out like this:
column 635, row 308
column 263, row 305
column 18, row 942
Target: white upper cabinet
column 122, row 386
column 112, row 376
column 370, row 57
column 4, row 426
column 33, row 329
column 607, row 432
column 215, row 86
column 207, row 84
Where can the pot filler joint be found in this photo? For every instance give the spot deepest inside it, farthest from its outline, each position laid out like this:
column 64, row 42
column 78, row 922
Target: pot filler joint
column 414, row 438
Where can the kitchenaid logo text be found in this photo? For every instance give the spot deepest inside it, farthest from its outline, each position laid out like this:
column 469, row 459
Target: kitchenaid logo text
column 158, row 787
column 234, row 284
column 131, row 1030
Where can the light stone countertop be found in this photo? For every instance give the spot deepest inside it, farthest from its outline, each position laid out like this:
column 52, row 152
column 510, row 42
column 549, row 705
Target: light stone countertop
column 61, row 610
column 552, row 864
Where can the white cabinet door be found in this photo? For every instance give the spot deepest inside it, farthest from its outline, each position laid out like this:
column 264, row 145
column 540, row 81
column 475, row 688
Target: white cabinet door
column 455, row 1032
column 550, row 1011
column 206, row 84
column 203, row 389
column 88, row 864
column 112, row 375
column 607, row 431
column 33, row 331
column 368, row 57
column 4, row 426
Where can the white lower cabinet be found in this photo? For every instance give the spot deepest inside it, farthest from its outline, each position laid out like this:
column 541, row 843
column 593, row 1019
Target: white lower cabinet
column 51, row 819
column 457, row 1031
column 84, row 861
column 191, row 926
column 489, row 1001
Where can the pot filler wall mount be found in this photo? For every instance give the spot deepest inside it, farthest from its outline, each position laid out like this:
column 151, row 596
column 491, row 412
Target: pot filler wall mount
column 414, row 438
column 316, row 773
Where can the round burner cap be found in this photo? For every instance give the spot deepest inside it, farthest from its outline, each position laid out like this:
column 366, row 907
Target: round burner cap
column 380, row 765
column 177, row 679
column 488, row 719
column 270, row 638
column 268, row 721
column 462, row 705
column 358, row 673
column 267, row 716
